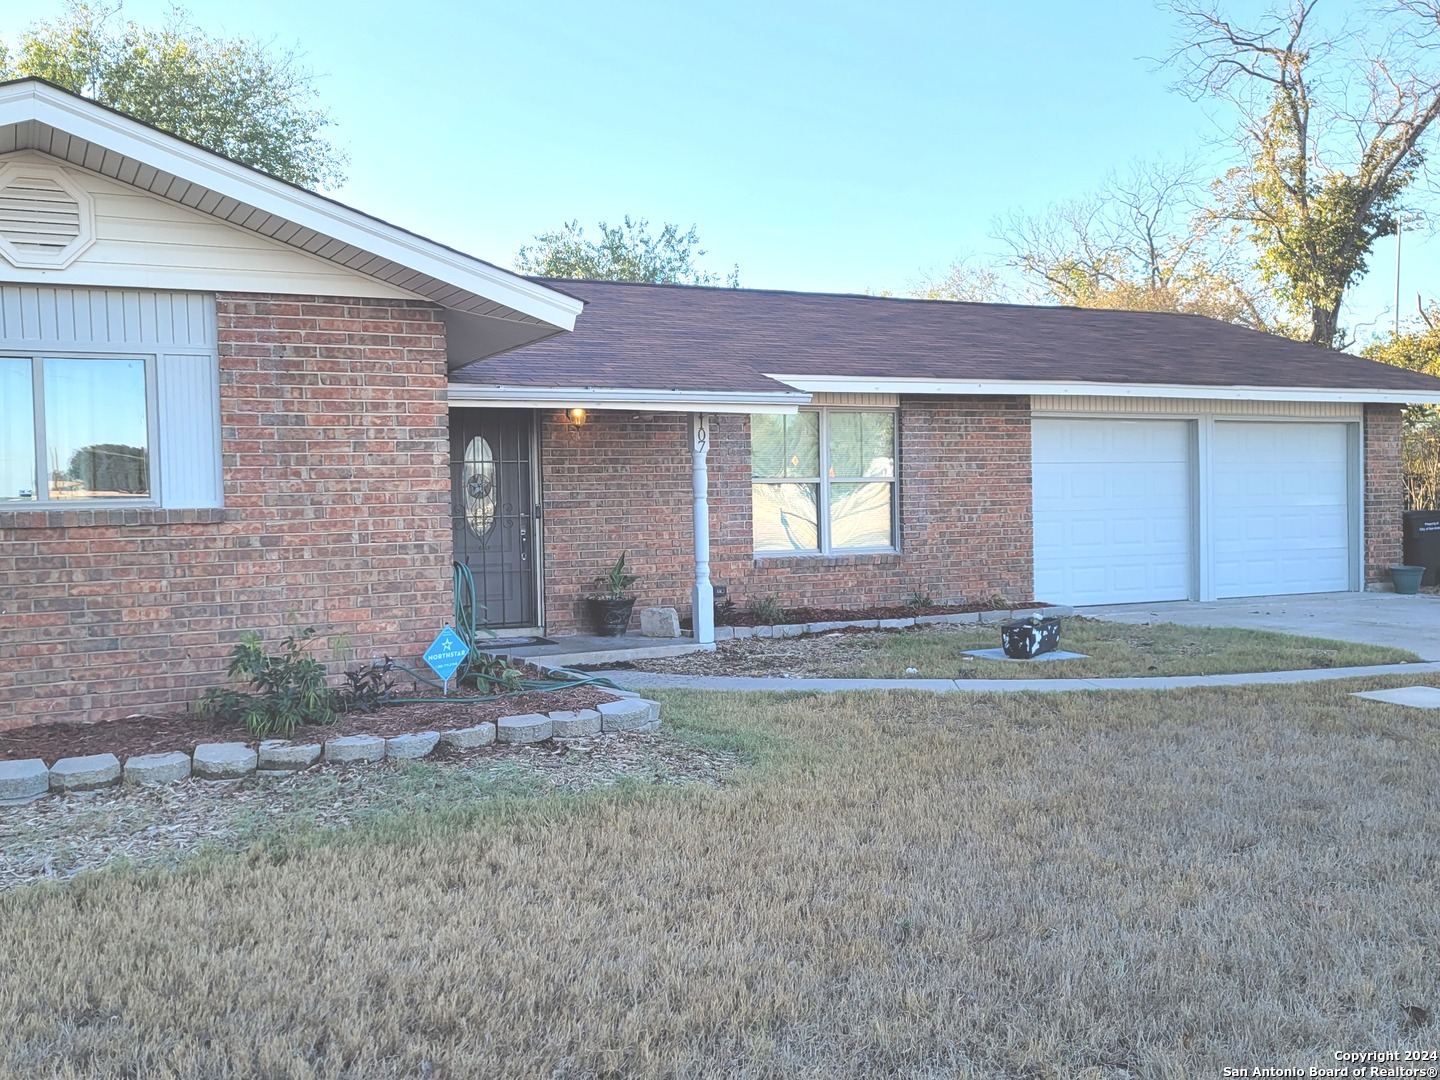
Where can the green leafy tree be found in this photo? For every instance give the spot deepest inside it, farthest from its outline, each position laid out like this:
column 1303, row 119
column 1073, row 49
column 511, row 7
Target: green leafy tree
column 625, row 252
column 1332, row 131
column 1418, row 348
column 238, row 97
column 110, row 467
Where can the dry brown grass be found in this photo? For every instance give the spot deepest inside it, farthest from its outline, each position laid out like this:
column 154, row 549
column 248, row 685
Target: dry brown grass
column 905, row 885
column 1110, row 650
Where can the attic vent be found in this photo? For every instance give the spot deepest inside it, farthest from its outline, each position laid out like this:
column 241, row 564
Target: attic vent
column 46, row 220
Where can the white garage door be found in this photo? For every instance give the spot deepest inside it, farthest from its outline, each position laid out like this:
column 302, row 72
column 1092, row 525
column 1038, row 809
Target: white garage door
column 1280, row 518
column 1112, row 510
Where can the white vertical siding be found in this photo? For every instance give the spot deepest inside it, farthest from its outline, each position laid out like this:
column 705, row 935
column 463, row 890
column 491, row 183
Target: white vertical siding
column 189, row 421
column 45, row 317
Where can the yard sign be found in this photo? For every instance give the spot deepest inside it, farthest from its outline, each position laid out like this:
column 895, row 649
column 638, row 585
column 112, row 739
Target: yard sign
column 446, row 653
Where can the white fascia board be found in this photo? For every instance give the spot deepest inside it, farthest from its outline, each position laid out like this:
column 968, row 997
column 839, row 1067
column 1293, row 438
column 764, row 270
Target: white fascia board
column 97, row 125
column 600, row 398
column 846, row 384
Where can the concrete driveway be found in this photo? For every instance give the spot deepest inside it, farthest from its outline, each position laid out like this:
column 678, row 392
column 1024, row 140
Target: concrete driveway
column 1375, row 618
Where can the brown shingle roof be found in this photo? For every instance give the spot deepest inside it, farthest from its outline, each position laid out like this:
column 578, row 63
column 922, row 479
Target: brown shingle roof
column 687, row 338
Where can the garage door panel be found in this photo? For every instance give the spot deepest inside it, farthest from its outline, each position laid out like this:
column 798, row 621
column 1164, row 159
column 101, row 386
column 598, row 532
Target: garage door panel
column 1280, row 515
column 1112, row 510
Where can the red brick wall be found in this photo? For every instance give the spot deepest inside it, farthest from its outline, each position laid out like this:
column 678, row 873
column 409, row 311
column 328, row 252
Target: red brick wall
column 1384, row 491
column 337, row 515
column 622, row 482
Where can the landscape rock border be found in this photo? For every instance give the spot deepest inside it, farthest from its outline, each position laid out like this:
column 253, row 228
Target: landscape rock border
column 27, row 780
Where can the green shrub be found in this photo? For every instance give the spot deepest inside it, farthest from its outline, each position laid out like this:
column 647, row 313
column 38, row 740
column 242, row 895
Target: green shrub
column 288, row 688
column 768, row 610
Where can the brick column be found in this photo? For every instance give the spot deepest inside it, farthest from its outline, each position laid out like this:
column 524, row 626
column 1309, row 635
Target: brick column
column 1384, row 491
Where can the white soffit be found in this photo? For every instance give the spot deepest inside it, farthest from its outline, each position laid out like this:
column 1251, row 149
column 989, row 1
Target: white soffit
column 847, row 384
column 600, row 398
column 37, row 116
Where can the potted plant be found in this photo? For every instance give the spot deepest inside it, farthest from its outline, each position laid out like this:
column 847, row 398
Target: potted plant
column 610, row 607
column 1025, row 639
column 1407, row 579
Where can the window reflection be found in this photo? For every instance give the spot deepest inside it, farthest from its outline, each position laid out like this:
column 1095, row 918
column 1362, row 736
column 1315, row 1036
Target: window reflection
column 785, row 517
column 823, row 480
column 17, row 430
column 860, row 515
column 96, row 438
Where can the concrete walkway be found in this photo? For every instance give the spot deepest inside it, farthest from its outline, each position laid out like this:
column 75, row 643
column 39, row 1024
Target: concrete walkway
column 1374, row 618
column 646, row 680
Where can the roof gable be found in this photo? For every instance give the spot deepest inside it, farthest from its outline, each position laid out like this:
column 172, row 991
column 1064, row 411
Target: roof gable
column 496, row 308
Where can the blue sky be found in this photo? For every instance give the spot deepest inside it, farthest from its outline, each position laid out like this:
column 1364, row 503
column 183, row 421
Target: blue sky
column 834, row 147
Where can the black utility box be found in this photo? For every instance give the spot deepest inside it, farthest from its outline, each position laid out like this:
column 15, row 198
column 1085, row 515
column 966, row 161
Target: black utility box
column 1422, row 543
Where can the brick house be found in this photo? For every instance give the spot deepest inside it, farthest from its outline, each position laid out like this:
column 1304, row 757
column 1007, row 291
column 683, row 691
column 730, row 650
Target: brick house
column 858, row 450
column 228, row 404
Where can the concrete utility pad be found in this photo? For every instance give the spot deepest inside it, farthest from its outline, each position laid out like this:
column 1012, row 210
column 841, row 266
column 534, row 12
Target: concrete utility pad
column 1416, row 697
column 999, row 654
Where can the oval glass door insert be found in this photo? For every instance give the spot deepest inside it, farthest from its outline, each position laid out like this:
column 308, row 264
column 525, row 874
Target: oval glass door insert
column 478, row 478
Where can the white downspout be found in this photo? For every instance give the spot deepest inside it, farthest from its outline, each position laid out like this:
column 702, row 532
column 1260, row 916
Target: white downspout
column 703, row 596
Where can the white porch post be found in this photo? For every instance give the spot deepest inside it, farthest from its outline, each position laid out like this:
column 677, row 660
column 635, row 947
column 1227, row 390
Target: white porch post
column 703, row 596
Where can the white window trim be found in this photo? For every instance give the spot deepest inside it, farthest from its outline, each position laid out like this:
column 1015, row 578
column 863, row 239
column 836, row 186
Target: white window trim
column 823, row 482
column 42, row 500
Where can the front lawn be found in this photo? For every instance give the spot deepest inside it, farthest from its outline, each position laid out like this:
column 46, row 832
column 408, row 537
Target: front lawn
column 1041, row 886
column 1111, row 650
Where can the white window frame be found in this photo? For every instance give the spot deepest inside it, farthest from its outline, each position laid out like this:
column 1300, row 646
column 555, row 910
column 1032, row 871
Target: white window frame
column 824, row 480
column 41, row 477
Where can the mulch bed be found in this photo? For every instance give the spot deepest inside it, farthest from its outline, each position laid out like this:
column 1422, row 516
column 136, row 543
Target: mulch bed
column 894, row 611
column 184, row 731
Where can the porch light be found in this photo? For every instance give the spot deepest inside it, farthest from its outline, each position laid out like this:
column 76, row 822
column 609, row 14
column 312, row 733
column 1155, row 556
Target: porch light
column 577, row 416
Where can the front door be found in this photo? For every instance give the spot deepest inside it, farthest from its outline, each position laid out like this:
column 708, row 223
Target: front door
column 493, row 505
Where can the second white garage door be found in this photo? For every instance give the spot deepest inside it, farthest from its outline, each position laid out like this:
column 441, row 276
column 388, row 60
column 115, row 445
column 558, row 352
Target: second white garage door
column 1280, row 508
column 1112, row 510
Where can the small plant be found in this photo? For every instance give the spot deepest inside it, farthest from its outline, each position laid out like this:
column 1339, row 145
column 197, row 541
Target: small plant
column 919, row 598
column 997, row 602
column 768, row 610
column 490, row 671
column 726, row 612
column 289, row 687
column 368, row 688
column 615, row 584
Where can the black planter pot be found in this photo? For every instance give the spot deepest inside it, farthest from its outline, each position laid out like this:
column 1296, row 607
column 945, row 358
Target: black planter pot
column 1024, row 640
column 610, row 618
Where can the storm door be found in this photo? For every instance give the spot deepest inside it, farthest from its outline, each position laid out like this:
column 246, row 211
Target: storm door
column 493, row 504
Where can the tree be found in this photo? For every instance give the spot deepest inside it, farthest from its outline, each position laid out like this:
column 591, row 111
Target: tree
column 1418, row 349
column 1139, row 243
column 1331, row 128
column 625, row 252
column 238, row 97
column 110, row 468
column 966, row 279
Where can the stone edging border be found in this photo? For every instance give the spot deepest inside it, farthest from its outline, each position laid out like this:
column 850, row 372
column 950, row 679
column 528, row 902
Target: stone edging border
column 25, row 781
column 783, row 630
